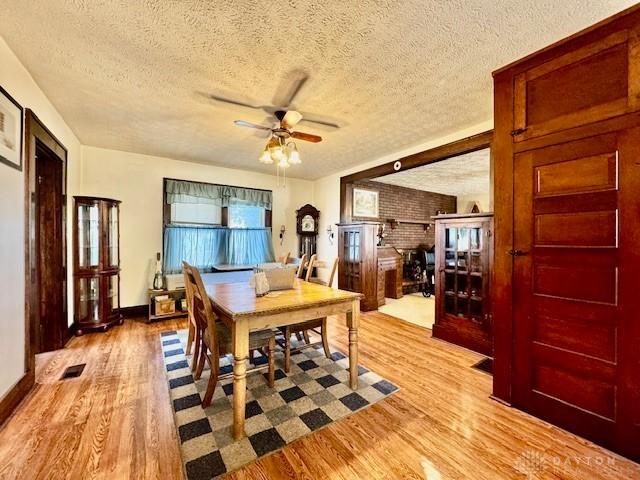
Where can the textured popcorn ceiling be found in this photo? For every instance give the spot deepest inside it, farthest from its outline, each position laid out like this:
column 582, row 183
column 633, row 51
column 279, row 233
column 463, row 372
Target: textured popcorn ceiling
column 459, row 176
column 126, row 74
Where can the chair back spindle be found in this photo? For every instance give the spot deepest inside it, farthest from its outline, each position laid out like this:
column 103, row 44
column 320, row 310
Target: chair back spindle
column 303, row 260
column 312, row 261
column 284, row 259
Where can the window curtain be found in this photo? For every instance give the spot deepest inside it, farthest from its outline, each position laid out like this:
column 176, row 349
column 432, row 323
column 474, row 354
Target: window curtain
column 205, row 247
column 248, row 246
column 182, row 191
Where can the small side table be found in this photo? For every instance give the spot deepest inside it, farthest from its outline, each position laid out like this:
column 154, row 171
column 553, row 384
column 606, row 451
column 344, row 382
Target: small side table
column 176, row 295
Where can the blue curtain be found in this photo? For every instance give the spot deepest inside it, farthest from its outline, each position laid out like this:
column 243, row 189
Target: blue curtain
column 246, row 246
column 205, row 247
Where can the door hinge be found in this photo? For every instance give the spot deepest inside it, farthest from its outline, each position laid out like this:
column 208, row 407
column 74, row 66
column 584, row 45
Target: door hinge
column 517, row 131
column 39, row 179
column 517, row 253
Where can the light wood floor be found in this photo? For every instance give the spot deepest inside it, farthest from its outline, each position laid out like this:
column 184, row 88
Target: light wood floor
column 115, row 422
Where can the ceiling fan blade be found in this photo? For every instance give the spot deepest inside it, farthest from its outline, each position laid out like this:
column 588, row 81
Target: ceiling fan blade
column 307, row 137
column 242, row 123
column 299, row 79
column 218, row 98
column 317, row 119
column 291, row 119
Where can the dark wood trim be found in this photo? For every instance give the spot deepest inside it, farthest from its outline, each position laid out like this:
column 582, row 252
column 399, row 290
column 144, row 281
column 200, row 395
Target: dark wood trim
column 453, row 149
column 433, row 155
column 502, row 271
column 35, row 130
column 134, row 311
column 15, row 395
column 224, row 216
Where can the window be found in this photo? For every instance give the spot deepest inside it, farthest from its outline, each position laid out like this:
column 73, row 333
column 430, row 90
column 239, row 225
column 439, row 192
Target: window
column 246, row 216
column 196, row 213
column 208, row 225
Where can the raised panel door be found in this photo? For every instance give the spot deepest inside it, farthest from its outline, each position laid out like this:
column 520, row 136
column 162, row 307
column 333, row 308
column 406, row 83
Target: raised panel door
column 576, row 305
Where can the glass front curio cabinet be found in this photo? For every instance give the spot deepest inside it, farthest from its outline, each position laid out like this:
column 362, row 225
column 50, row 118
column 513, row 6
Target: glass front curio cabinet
column 463, row 265
column 96, row 264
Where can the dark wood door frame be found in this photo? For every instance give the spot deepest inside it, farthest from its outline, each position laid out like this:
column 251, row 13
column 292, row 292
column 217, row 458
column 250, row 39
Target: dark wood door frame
column 459, row 147
column 35, row 131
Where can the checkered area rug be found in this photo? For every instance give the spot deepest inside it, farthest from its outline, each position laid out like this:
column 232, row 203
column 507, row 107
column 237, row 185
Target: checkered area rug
column 313, row 395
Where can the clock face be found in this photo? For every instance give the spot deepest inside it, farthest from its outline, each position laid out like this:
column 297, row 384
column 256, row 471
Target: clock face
column 308, row 224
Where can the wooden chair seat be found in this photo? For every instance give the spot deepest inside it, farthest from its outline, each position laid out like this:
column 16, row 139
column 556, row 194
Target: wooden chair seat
column 258, row 339
column 301, row 327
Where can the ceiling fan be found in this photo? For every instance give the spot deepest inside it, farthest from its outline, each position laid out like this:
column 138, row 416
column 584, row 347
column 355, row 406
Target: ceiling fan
column 282, row 101
column 279, row 149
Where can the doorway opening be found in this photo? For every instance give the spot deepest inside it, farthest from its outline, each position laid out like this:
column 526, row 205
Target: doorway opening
column 51, row 330
column 430, row 262
column 457, row 185
column 45, row 160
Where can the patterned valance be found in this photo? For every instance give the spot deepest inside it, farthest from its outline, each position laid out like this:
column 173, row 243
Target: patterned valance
column 182, row 191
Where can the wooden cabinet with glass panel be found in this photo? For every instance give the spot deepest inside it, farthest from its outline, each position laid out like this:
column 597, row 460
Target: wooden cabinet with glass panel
column 96, row 264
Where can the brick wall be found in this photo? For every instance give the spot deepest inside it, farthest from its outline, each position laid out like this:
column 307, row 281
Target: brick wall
column 408, row 203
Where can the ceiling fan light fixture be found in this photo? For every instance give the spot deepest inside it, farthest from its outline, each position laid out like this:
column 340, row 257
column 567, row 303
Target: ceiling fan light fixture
column 283, row 162
column 276, row 150
column 265, row 157
column 294, row 155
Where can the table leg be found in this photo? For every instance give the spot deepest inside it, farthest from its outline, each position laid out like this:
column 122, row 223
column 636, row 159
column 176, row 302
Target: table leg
column 353, row 320
column 240, row 356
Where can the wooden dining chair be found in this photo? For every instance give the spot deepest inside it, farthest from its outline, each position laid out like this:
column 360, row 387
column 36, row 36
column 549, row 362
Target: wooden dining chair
column 320, row 265
column 318, row 325
column 301, row 266
column 310, row 267
column 284, row 259
column 193, row 337
column 216, row 337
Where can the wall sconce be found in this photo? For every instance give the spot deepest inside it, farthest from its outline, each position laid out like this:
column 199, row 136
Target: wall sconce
column 330, row 234
column 282, row 232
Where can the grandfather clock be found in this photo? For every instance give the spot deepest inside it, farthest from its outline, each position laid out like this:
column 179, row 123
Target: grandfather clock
column 307, row 229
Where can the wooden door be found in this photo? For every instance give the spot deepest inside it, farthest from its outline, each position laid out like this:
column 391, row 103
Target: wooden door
column 576, row 287
column 462, row 289
column 598, row 81
column 52, row 326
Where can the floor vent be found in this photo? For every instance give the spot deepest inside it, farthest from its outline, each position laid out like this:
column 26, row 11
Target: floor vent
column 485, row 365
column 73, row 371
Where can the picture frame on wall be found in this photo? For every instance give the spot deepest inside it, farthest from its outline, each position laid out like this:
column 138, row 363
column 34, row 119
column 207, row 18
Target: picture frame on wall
column 11, row 130
column 365, row 203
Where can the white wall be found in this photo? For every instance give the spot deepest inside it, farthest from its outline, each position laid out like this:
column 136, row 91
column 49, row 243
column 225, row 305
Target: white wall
column 15, row 79
column 465, row 202
column 136, row 180
column 327, row 189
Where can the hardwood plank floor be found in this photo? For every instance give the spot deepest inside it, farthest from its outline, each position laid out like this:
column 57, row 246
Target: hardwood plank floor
column 115, row 421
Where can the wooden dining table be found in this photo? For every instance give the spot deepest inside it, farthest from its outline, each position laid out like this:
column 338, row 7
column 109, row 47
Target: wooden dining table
column 238, row 307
